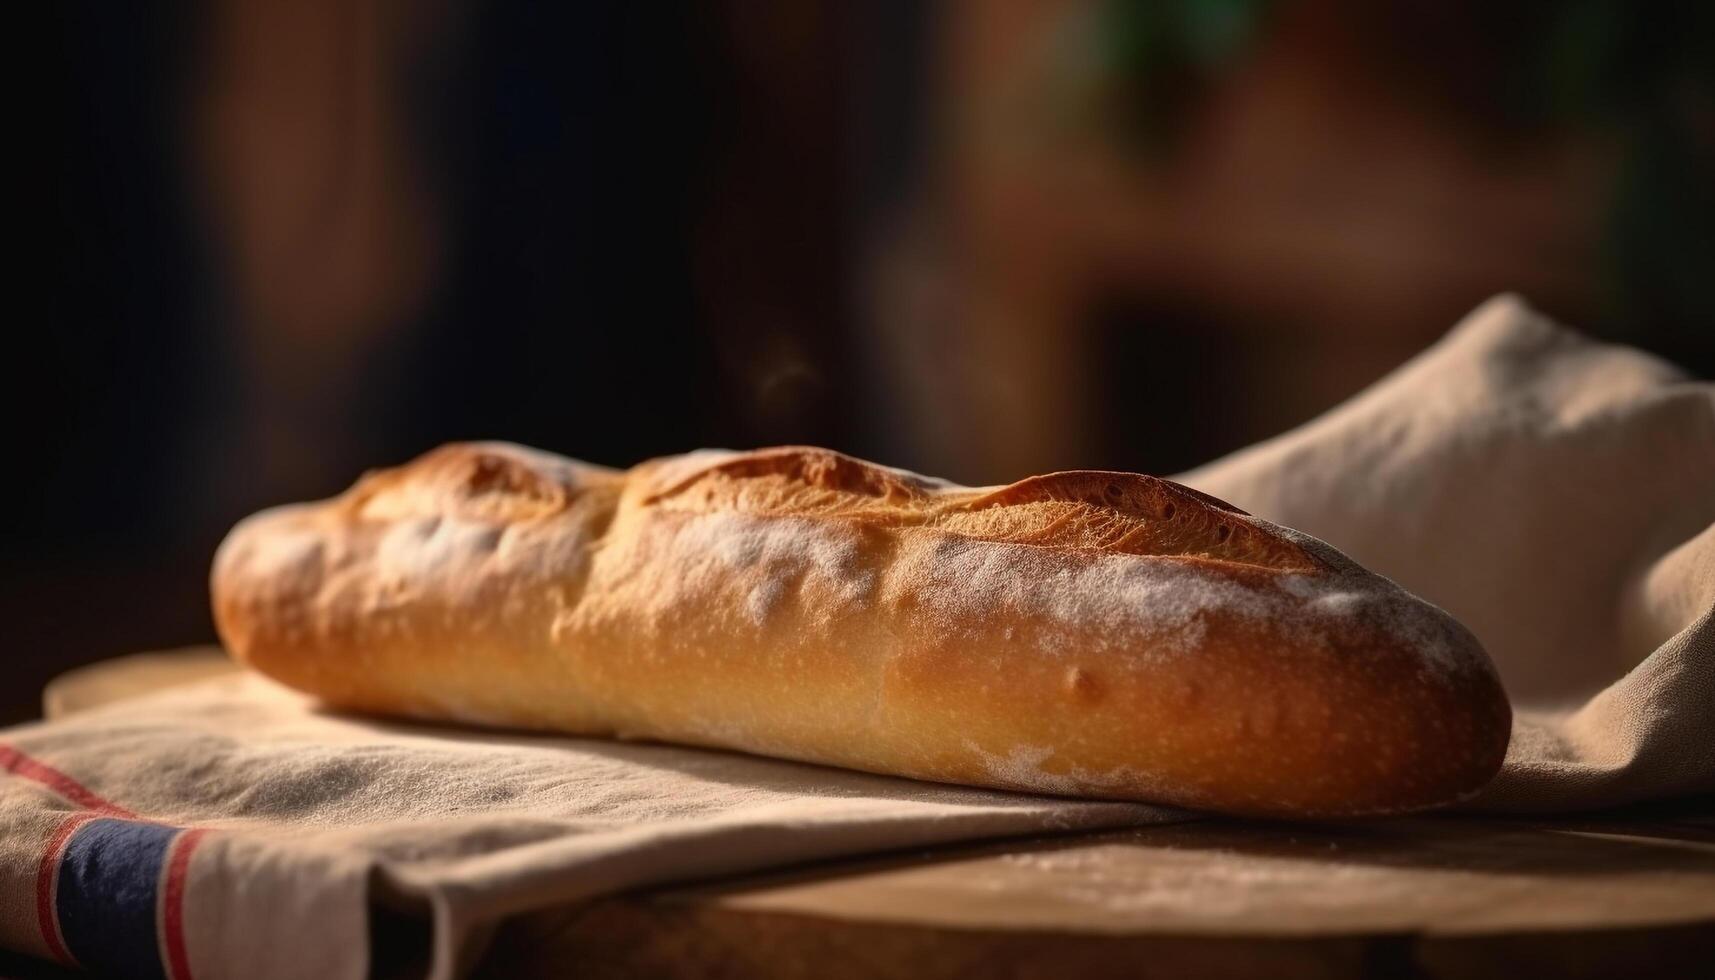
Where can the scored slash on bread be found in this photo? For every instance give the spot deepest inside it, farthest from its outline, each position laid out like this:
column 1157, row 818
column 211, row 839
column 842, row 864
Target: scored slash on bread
column 1087, row 633
column 1124, row 513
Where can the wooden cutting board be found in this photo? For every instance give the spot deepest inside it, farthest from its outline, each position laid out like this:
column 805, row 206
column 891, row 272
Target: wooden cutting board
column 1616, row 895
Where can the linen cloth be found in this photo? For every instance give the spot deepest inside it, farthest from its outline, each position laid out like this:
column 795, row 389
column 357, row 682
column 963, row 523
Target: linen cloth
column 1554, row 493
column 232, row 828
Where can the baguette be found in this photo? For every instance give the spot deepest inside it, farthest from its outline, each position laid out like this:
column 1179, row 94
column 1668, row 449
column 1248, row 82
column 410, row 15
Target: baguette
column 1084, row 633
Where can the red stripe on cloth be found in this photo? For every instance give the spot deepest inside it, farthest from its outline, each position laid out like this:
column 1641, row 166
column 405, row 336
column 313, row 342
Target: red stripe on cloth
column 47, row 882
column 14, row 761
column 175, row 956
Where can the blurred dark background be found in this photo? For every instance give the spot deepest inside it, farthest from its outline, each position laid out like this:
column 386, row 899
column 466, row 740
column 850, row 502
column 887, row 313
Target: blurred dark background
column 298, row 240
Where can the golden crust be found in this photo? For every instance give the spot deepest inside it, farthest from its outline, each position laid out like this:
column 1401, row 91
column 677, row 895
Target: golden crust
column 1088, row 633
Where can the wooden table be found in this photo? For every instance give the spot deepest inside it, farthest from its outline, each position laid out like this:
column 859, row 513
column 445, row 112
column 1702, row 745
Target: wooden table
column 1623, row 894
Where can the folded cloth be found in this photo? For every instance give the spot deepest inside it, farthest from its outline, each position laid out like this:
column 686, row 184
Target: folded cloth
column 1558, row 496
column 231, row 828
column 1554, row 493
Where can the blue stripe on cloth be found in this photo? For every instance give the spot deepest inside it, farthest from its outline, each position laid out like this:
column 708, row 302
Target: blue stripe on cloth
column 108, row 885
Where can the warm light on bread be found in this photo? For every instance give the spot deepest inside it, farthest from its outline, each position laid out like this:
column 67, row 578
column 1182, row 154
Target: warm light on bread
column 1089, row 633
